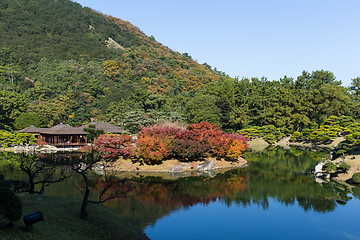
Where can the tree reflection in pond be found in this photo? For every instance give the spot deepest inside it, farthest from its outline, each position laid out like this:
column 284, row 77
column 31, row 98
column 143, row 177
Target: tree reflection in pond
column 275, row 174
column 156, row 196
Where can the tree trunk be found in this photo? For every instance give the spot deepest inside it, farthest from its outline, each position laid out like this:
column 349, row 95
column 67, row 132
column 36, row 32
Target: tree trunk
column 31, row 182
column 84, row 212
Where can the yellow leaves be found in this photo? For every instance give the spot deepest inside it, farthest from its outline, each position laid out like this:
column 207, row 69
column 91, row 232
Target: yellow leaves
column 110, row 63
column 236, row 149
column 63, row 98
column 145, row 81
column 112, row 69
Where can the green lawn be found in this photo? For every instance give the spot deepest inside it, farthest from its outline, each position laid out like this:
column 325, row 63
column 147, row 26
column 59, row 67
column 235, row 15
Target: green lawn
column 62, row 221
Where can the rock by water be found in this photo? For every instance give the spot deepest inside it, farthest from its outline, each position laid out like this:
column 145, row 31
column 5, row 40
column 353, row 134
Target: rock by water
column 176, row 169
column 206, row 166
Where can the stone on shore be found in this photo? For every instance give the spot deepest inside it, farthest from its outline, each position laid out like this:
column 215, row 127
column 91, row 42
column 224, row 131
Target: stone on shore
column 185, row 165
column 319, row 173
column 206, row 166
column 318, row 168
column 99, row 169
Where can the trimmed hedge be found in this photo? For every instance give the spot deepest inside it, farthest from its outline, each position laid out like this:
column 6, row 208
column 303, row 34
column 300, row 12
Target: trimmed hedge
column 356, row 177
column 329, row 167
column 344, row 167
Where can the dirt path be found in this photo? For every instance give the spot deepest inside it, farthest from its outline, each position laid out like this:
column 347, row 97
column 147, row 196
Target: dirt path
column 126, row 165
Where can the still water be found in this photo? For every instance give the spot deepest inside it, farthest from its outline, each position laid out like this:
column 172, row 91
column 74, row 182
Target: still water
column 273, row 198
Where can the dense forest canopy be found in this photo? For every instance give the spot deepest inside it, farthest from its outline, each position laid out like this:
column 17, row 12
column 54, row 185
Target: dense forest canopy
column 60, row 62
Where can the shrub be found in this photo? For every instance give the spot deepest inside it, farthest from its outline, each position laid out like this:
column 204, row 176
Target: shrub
column 356, row 177
column 343, row 148
column 324, row 134
column 10, row 204
column 209, row 139
column 41, row 143
column 228, row 145
column 153, row 144
column 296, row 136
column 151, row 149
column 236, row 149
column 7, row 139
column 190, row 144
column 270, row 138
column 270, row 133
column 165, row 132
column 114, row 145
column 329, row 166
column 206, row 130
column 344, row 167
column 306, row 132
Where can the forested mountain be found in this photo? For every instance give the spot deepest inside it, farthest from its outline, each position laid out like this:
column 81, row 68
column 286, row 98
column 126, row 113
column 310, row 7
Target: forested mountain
column 60, row 62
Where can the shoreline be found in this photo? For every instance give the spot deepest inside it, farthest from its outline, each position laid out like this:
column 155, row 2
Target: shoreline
column 127, row 166
column 353, row 158
column 257, row 144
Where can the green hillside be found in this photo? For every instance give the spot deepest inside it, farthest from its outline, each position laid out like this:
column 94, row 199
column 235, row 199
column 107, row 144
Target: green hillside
column 58, row 30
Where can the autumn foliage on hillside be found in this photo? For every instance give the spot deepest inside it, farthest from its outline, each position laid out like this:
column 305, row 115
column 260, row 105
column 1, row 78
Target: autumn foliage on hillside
column 155, row 144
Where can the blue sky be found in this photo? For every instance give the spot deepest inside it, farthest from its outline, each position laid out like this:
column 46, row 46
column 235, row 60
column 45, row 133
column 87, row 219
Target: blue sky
column 252, row 38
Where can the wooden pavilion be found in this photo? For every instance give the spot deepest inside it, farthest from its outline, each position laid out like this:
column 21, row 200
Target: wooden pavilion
column 33, row 130
column 63, row 135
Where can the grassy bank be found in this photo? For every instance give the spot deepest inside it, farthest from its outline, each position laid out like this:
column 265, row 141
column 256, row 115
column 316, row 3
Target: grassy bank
column 62, row 221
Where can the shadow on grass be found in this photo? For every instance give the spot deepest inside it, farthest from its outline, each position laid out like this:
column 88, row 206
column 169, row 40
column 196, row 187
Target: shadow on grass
column 62, row 221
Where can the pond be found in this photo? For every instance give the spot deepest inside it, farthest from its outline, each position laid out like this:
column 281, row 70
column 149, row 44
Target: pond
column 272, row 198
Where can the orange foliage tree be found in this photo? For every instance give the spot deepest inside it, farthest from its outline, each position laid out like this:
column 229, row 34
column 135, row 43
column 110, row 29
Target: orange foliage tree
column 229, row 145
column 153, row 143
column 151, row 149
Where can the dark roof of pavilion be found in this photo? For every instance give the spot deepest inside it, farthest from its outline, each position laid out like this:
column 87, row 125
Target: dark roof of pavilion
column 30, row 129
column 63, row 129
column 107, row 127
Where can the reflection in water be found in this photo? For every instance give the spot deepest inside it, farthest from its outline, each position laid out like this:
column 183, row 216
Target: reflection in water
column 275, row 175
column 154, row 197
